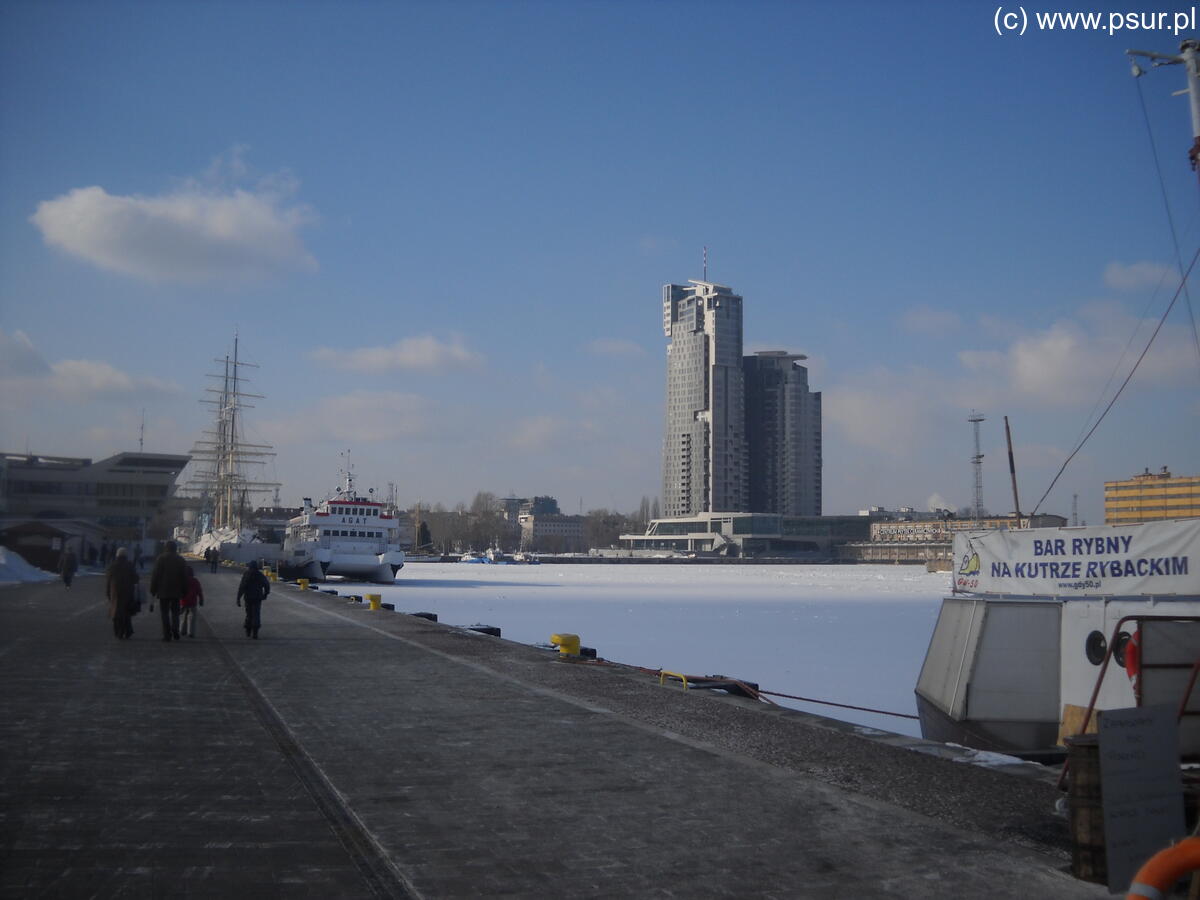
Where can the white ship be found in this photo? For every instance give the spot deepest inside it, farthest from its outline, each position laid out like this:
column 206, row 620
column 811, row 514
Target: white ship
column 1045, row 626
column 347, row 535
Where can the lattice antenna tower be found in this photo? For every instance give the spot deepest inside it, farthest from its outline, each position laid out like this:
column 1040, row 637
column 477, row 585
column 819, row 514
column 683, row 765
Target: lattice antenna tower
column 223, row 454
column 977, row 462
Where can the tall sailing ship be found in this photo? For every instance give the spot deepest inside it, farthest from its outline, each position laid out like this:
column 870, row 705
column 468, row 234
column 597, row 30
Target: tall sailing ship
column 220, row 482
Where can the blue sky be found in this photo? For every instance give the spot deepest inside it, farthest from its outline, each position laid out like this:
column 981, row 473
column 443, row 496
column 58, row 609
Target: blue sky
column 441, row 230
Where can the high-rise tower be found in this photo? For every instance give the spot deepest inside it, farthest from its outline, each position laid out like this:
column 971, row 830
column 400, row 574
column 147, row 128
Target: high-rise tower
column 704, row 447
column 783, row 435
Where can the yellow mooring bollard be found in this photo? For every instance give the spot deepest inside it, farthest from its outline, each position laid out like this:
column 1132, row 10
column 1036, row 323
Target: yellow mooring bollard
column 374, row 599
column 568, row 644
column 303, row 582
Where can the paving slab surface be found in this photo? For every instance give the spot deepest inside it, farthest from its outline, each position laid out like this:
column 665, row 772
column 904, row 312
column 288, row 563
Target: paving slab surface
column 358, row 753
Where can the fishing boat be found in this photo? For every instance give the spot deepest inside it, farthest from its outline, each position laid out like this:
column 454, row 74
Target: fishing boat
column 1045, row 626
column 347, row 535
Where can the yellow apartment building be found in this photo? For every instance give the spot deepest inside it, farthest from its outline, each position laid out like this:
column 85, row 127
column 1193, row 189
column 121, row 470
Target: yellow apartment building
column 1150, row 496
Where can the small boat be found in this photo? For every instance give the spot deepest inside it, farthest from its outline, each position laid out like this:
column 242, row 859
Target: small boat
column 472, row 557
column 1045, row 625
column 529, row 559
column 347, row 535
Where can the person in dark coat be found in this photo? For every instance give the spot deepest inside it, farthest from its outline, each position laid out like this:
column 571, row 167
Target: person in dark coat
column 169, row 582
column 67, row 564
column 120, row 587
column 254, row 587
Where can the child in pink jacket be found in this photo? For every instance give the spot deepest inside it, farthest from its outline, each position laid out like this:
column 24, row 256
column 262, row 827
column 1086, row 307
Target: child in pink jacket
column 188, row 603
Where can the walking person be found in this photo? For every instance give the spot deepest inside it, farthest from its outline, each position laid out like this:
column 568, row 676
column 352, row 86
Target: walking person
column 168, row 582
column 254, row 586
column 67, row 564
column 188, row 604
column 121, row 588
column 214, row 559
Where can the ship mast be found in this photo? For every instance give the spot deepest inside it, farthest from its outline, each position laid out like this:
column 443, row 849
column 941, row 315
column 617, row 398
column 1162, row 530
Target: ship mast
column 1189, row 58
column 223, row 454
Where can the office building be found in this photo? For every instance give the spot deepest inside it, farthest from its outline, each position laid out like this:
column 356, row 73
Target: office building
column 704, row 447
column 1151, row 496
column 746, row 535
column 743, row 433
column 783, row 435
column 48, row 501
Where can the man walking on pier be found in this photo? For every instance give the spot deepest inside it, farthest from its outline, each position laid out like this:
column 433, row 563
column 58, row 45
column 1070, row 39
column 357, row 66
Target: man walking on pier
column 169, row 582
column 254, row 587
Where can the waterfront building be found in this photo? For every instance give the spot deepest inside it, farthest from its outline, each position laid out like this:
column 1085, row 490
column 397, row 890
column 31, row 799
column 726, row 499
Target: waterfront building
column 783, row 435
column 122, row 498
column 1151, row 496
column 553, row 533
column 704, row 445
column 748, row 534
column 512, row 508
column 927, row 537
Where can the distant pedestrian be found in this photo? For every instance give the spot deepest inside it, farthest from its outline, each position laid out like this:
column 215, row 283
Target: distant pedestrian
column 192, row 598
column 67, row 564
column 121, row 586
column 254, row 587
column 168, row 582
column 214, row 559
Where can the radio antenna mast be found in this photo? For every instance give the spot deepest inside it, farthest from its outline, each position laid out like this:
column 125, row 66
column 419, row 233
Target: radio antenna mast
column 977, row 461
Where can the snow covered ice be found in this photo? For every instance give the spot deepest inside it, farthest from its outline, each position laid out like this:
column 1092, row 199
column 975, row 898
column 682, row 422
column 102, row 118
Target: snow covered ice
column 848, row 634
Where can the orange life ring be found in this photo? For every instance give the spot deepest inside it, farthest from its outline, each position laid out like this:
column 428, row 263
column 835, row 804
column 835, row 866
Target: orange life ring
column 1133, row 656
column 1155, row 879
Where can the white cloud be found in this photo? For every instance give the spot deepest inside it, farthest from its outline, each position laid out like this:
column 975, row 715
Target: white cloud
column 539, row 432
column 615, row 347
column 925, row 319
column 27, row 380
column 195, row 233
column 886, row 411
column 376, row 416
column 936, row 501
column 81, row 379
column 19, row 357
column 424, row 352
column 1079, row 360
column 1139, row 276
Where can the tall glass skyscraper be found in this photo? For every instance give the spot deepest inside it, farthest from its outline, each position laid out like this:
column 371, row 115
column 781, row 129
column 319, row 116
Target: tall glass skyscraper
column 704, row 448
column 783, row 434
column 742, row 434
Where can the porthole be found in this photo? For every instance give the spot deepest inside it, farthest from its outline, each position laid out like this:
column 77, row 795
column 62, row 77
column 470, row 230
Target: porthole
column 1119, row 648
column 1096, row 646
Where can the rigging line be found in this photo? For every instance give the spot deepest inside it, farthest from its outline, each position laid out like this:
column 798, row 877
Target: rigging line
column 1124, row 383
column 1100, row 395
column 1162, row 186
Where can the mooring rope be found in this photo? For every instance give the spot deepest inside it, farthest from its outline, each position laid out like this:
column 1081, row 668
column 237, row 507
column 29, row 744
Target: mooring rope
column 882, row 712
column 758, row 693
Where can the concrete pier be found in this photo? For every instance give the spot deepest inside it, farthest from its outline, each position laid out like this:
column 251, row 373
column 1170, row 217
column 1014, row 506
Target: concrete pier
column 357, row 753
